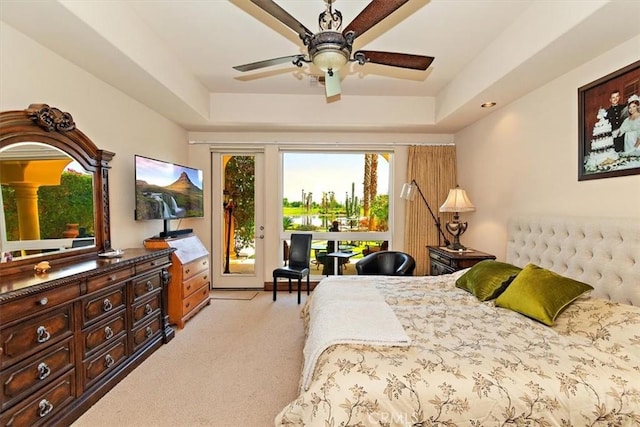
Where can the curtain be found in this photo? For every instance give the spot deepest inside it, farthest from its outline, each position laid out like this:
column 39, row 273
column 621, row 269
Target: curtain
column 434, row 169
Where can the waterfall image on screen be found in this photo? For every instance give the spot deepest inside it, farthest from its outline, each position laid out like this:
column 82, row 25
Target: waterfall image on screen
column 166, row 190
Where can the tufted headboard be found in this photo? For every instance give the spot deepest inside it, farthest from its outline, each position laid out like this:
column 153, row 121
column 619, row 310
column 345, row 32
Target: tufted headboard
column 603, row 252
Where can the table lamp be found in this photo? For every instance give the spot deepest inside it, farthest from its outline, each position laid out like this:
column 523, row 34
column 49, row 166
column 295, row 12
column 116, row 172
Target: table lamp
column 457, row 201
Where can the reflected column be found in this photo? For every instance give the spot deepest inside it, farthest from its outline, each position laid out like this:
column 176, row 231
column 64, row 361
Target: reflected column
column 27, row 208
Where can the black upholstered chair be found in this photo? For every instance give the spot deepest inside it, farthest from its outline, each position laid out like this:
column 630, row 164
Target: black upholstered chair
column 386, row 263
column 299, row 259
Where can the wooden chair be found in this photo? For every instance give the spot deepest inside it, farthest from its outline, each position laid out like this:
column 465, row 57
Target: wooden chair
column 299, row 259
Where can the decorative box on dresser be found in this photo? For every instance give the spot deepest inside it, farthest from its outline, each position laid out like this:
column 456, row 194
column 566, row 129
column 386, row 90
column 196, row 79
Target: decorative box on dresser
column 69, row 335
column 190, row 276
column 444, row 261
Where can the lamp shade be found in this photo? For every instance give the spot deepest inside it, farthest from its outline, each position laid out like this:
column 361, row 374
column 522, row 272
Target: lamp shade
column 408, row 191
column 457, row 201
column 330, row 59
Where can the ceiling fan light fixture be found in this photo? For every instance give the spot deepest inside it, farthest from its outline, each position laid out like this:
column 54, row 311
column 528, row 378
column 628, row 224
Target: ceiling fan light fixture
column 330, row 59
column 329, row 50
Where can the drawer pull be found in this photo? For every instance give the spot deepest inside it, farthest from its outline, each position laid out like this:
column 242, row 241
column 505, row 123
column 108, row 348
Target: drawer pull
column 106, row 305
column 108, row 361
column 149, row 286
column 43, row 371
column 187, row 271
column 43, row 334
column 45, row 407
column 148, row 332
column 188, row 287
column 148, row 309
column 205, row 278
column 108, row 333
column 44, row 301
column 188, row 305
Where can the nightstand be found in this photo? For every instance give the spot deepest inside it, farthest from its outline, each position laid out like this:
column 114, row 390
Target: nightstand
column 444, row 261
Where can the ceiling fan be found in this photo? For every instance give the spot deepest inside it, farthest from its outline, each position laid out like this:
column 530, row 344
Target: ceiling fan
column 330, row 49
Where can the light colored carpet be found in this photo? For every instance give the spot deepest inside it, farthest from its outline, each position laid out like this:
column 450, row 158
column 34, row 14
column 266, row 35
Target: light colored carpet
column 237, row 295
column 236, row 363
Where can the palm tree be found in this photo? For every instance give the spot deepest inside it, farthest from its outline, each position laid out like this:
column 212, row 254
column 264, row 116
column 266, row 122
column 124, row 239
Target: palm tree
column 370, row 184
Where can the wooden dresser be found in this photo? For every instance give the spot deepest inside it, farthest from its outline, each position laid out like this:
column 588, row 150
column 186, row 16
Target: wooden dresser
column 190, row 276
column 69, row 335
column 444, row 261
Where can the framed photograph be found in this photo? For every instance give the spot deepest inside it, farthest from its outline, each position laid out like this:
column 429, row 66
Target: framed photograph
column 609, row 125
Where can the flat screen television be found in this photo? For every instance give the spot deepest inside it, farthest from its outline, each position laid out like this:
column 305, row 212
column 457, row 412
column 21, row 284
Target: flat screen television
column 167, row 191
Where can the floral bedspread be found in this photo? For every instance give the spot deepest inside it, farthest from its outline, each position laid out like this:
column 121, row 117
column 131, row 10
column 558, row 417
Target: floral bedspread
column 474, row 364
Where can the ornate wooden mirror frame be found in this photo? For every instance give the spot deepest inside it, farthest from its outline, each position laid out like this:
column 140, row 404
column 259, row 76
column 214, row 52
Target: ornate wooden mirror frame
column 49, row 125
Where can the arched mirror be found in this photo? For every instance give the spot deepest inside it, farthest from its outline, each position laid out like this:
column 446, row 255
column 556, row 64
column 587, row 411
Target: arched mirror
column 54, row 181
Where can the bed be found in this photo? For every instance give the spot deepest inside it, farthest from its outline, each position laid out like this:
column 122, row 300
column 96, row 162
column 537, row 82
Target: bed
column 419, row 351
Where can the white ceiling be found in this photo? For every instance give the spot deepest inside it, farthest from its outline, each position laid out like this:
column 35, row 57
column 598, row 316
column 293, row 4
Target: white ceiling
column 176, row 56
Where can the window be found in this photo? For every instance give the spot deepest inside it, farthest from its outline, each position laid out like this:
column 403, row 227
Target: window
column 342, row 198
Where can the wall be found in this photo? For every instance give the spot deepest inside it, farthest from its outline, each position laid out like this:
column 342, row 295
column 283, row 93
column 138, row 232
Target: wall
column 523, row 159
column 30, row 73
column 520, row 159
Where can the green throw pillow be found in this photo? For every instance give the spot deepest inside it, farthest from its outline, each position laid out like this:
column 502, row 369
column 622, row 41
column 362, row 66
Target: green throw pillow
column 488, row 279
column 541, row 294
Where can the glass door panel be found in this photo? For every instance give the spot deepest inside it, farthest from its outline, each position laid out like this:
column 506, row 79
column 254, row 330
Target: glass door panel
column 241, row 237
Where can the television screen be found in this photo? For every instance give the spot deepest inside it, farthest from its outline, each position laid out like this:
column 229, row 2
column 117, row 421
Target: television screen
column 166, row 190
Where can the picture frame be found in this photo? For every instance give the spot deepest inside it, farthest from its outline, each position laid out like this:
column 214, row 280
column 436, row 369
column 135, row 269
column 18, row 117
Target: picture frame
column 606, row 148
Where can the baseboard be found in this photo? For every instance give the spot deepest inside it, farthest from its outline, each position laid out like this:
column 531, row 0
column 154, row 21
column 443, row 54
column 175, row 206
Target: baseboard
column 283, row 285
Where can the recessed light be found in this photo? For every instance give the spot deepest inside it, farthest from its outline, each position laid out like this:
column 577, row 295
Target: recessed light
column 488, row 104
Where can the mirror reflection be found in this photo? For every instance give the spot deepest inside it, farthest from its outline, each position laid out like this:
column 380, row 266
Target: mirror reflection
column 46, row 201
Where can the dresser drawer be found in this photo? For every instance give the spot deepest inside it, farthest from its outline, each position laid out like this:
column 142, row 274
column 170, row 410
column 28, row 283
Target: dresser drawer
column 22, row 379
column 146, row 332
column 34, row 335
column 105, row 362
column 32, row 304
column 146, row 285
column 441, row 259
column 153, row 264
column 438, row 269
column 194, row 299
column 42, row 406
column 100, row 282
column 146, row 309
column 103, row 333
column 98, row 306
column 195, row 283
column 194, row 267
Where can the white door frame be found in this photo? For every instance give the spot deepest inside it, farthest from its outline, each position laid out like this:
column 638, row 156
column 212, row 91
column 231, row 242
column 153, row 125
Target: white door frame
column 253, row 280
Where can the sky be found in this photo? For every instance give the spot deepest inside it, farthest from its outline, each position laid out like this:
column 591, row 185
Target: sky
column 163, row 173
column 318, row 173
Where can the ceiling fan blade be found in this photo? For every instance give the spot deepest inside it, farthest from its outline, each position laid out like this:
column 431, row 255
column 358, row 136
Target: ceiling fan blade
column 331, row 84
column 283, row 16
column 375, row 12
column 268, row 63
column 402, row 60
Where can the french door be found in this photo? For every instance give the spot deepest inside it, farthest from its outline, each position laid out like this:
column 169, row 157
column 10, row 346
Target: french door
column 238, row 229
